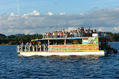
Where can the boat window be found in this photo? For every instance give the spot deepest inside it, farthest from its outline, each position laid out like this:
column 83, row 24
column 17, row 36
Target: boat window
column 52, row 42
column 60, row 42
column 76, row 41
column 56, row 42
column 44, row 42
column 69, row 42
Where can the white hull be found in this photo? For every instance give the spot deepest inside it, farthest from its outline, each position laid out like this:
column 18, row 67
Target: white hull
column 97, row 53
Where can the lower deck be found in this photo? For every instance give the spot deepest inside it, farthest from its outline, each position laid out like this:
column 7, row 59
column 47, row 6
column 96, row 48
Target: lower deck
column 62, row 47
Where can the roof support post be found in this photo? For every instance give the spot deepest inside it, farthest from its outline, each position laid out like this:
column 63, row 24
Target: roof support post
column 65, row 42
column 48, row 44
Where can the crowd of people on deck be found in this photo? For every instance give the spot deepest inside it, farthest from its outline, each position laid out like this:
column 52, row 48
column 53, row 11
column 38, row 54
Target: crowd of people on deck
column 80, row 32
column 33, row 46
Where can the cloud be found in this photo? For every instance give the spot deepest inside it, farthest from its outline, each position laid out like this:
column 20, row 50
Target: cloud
column 28, row 32
column 62, row 13
column 34, row 22
column 50, row 13
column 34, row 13
column 12, row 14
column 116, row 28
column 100, row 28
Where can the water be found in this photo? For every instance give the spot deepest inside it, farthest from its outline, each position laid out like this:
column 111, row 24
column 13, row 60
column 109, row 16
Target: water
column 14, row 67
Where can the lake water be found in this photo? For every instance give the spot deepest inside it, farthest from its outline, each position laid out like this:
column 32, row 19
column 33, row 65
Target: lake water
column 14, row 67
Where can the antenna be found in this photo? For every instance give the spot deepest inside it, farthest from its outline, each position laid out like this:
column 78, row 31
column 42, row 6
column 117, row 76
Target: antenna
column 18, row 7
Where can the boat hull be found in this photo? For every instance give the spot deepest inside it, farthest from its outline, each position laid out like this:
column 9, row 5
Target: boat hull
column 97, row 53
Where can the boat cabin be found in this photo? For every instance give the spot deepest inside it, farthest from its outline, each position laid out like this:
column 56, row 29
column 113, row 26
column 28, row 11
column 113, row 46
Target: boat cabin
column 74, row 44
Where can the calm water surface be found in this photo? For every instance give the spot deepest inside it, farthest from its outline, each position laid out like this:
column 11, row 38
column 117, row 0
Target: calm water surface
column 14, row 67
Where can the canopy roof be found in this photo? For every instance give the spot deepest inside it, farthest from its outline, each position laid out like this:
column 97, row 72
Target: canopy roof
column 59, row 39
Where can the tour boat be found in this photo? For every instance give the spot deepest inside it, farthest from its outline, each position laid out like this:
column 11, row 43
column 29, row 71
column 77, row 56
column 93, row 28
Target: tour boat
column 93, row 45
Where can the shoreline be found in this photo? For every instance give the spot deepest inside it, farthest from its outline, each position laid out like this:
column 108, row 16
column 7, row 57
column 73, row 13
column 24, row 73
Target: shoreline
column 17, row 44
column 7, row 44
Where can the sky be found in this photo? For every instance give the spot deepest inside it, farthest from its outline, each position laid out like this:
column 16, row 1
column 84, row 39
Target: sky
column 38, row 16
column 55, row 6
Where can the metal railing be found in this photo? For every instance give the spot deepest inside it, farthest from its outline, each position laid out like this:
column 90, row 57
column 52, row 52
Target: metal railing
column 65, row 35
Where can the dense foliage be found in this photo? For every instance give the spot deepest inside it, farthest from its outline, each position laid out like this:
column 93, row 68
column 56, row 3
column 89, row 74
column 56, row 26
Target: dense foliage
column 113, row 36
column 16, row 39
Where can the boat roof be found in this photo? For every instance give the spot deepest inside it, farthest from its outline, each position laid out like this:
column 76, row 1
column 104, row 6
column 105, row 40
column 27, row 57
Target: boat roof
column 73, row 38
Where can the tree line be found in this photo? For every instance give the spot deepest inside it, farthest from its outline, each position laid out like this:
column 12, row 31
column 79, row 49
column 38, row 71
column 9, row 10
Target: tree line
column 114, row 37
column 16, row 39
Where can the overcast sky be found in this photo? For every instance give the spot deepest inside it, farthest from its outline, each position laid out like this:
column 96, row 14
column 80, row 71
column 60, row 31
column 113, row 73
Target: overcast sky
column 38, row 16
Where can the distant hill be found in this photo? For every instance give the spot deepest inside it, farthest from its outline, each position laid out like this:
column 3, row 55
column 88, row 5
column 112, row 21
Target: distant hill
column 2, row 36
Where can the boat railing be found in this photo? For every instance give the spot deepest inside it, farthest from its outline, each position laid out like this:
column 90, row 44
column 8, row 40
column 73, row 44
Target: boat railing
column 65, row 36
column 32, row 48
column 70, row 36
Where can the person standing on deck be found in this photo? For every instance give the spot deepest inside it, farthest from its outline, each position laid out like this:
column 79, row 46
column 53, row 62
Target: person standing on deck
column 27, row 46
column 89, row 31
column 22, row 46
column 58, row 34
column 75, row 33
column 46, row 35
column 92, row 32
column 49, row 35
column 63, row 33
column 79, row 32
column 82, row 31
column 86, row 33
column 95, row 31
column 71, row 34
column 39, row 45
column 53, row 34
column 66, row 34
